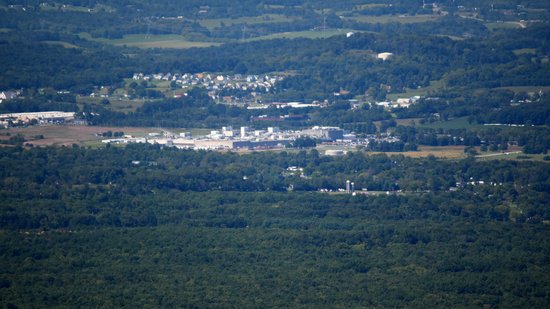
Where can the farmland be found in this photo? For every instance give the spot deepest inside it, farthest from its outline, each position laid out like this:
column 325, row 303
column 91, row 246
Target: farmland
column 309, row 34
column 211, row 24
column 66, row 135
column 403, row 19
column 154, row 41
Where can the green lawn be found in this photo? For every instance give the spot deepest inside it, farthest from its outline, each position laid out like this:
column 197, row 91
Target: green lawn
column 115, row 104
column 511, row 155
column 74, row 8
column 503, row 25
column 153, row 41
column 67, row 8
column 64, row 44
column 310, row 34
column 394, row 19
column 433, row 87
column 527, row 88
column 524, row 51
column 457, row 123
column 262, row 19
column 368, row 6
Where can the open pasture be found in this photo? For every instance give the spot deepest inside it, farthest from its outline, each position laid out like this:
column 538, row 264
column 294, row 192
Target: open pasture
column 154, row 41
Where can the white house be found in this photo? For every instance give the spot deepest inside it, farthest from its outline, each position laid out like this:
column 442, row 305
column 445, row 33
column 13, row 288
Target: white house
column 384, row 56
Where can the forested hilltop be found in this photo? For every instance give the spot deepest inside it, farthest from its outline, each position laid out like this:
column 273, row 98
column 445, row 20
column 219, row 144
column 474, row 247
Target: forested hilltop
column 318, row 223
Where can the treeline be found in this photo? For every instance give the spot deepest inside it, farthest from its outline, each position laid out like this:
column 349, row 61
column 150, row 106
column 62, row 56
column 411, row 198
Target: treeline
column 497, row 106
column 324, row 66
column 53, row 171
column 115, row 23
column 175, row 228
column 276, row 250
column 531, row 139
column 28, row 64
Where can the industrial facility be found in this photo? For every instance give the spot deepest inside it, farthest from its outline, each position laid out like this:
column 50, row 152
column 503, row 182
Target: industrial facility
column 246, row 138
column 38, row 118
column 229, row 139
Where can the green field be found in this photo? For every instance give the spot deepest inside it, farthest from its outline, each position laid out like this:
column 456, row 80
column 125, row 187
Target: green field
column 457, row 123
column 503, row 25
column 62, row 43
column 368, row 6
column 66, row 8
column 262, row 19
column 527, row 89
column 310, row 34
column 152, row 41
column 511, row 155
column 74, row 8
column 433, row 87
column 116, row 104
column 405, row 19
column 524, row 51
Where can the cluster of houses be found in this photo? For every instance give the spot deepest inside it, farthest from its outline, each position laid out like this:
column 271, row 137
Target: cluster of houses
column 399, row 103
column 214, row 83
column 9, row 95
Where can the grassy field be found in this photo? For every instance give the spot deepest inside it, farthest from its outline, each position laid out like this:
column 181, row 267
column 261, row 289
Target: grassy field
column 310, row 34
column 67, row 8
column 368, row 6
column 511, row 154
column 66, row 135
column 263, row 19
column 457, row 123
column 445, row 152
column 523, row 51
column 74, row 8
column 503, row 25
column 64, row 44
column 115, row 104
column 434, row 86
column 394, row 19
column 119, row 102
column 527, row 89
column 407, row 121
column 153, row 41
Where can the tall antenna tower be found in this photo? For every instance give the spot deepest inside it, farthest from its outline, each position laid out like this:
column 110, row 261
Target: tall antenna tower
column 148, row 28
column 324, row 22
column 243, row 33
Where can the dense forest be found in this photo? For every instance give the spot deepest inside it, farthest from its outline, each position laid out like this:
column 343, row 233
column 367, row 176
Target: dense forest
column 176, row 228
column 140, row 225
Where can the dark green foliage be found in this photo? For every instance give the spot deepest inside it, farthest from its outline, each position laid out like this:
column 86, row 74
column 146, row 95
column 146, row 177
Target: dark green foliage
column 152, row 227
column 304, row 142
column 147, row 227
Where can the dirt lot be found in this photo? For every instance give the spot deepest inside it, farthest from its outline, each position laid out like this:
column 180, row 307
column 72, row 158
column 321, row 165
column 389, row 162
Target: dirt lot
column 449, row 152
column 67, row 135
